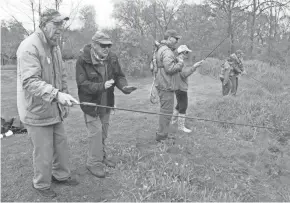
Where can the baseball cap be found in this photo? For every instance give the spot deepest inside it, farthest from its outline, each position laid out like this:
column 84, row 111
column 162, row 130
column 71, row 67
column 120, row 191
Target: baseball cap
column 183, row 48
column 171, row 33
column 101, row 38
column 52, row 15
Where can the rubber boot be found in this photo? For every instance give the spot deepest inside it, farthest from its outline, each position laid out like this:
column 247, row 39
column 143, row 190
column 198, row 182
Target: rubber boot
column 174, row 117
column 181, row 124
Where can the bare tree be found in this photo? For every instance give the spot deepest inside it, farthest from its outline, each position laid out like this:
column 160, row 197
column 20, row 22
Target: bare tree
column 57, row 4
column 167, row 11
column 232, row 10
column 33, row 13
column 30, row 7
column 257, row 8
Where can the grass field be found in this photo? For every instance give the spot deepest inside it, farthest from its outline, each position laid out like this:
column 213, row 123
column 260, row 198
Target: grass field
column 216, row 162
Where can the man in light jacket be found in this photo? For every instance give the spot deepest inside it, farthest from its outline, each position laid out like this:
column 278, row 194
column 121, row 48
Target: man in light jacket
column 43, row 100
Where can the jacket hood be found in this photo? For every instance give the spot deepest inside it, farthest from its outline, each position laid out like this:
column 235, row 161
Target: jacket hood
column 85, row 53
column 164, row 42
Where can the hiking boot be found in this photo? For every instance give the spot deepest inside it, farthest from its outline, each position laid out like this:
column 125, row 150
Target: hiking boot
column 46, row 192
column 181, row 125
column 69, row 182
column 159, row 138
column 109, row 163
column 97, row 171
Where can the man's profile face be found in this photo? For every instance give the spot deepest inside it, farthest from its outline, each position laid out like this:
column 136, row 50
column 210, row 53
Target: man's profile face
column 53, row 31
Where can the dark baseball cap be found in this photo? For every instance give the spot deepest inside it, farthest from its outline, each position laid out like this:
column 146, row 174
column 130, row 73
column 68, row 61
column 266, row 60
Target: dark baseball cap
column 171, row 33
column 53, row 16
column 101, row 38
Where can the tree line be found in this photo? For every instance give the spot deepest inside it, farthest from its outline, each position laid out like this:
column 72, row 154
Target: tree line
column 261, row 28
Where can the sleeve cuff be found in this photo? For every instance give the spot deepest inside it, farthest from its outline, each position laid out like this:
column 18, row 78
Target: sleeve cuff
column 53, row 95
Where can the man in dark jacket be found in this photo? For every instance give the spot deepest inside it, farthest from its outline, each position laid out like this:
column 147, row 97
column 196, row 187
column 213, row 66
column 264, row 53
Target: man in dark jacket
column 97, row 73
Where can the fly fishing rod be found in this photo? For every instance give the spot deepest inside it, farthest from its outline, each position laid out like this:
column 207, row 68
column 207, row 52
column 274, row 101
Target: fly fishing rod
column 216, row 47
column 188, row 117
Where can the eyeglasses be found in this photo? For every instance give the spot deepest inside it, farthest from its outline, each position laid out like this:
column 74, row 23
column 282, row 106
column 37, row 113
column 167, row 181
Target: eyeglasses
column 58, row 24
column 105, row 46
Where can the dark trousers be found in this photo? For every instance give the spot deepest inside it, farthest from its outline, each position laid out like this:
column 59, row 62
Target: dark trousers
column 230, row 86
column 235, row 81
column 182, row 101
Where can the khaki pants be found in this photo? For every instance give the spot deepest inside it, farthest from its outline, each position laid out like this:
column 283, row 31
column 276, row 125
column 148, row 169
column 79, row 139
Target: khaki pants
column 96, row 138
column 166, row 107
column 50, row 154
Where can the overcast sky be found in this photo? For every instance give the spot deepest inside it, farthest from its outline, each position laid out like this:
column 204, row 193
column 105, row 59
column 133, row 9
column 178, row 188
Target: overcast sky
column 21, row 10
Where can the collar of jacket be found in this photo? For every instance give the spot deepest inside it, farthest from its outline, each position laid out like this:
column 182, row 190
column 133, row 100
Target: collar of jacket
column 96, row 59
column 86, row 55
column 164, row 42
column 42, row 38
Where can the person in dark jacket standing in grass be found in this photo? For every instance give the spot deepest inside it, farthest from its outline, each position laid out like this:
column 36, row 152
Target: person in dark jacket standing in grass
column 181, row 93
column 230, row 71
column 97, row 73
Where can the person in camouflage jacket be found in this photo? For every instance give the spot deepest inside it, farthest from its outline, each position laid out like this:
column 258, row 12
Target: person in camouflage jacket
column 168, row 68
column 230, row 71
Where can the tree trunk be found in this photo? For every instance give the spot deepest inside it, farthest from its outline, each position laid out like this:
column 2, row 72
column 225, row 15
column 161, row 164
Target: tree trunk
column 155, row 23
column 270, row 37
column 230, row 31
column 39, row 8
column 33, row 17
column 253, row 28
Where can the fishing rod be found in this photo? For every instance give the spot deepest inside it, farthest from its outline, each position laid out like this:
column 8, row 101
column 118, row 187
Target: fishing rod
column 216, row 47
column 188, row 117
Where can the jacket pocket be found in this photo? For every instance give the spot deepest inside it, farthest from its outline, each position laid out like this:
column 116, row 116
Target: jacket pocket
column 94, row 77
column 35, row 105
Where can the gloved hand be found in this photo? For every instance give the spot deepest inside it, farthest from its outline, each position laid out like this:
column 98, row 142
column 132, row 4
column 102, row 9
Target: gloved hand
column 109, row 83
column 66, row 99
